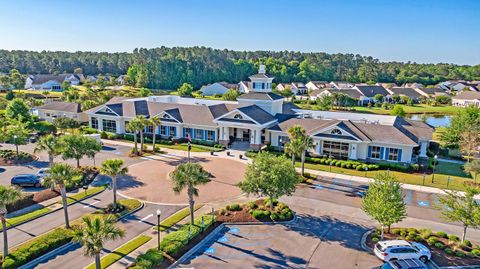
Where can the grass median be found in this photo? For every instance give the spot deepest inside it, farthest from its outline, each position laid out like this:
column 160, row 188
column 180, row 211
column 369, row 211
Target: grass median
column 27, row 216
column 42, row 244
column 175, row 218
column 121, row 251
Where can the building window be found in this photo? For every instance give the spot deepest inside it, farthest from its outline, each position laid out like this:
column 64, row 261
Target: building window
column 172, row 131
column 187, row 132
column 392, row 154
column 199, row 134
column 336, row 132
column 283, row 140
column 47, row 114
column 109, row 126
column 338, row 150
column 210, row 135
column 238, row 117
column 94, row 123
column 376, row 152
column 149, row 129
column 163, row 130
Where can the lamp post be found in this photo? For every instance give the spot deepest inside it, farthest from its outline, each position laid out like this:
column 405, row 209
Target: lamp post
column 159, row 213
column 434, row 165
column 16, row 147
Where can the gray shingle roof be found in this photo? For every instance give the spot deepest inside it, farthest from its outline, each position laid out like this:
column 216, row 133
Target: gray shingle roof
column 260, row 96
column 40, row 79
column 257, row 114
column 62, row 106
column 468, row 95
column 406, row 92
column 261, row 75
column 371, row 91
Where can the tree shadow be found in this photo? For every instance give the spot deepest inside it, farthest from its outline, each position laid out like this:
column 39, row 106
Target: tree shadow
column 38, row 164
column 127, row 182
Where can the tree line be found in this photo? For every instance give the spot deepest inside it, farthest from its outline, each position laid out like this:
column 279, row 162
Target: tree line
column 168, row 68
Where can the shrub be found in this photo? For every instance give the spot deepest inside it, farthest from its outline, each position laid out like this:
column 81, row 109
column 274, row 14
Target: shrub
column 375, row 239
column 439, row 245
column 442, row 234
column 410, row 237
column 432, row 240
column 267, row 202
column 448, row 251
column 476, row 252
column 234, row 207
column 44, row 127
column 412, row 233
column 396, row 231
column 425, row 233
column 149, row 259
column 260, row 214
column 453, row 238
column 274, row 216
column 88, row 130
column 460, row 254
column 418, row 238
column 252, row 205
column 467, row 243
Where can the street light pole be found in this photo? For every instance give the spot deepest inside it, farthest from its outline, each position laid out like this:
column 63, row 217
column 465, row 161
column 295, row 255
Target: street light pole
column 159, row 212
column 16, row 147
column 434, row 165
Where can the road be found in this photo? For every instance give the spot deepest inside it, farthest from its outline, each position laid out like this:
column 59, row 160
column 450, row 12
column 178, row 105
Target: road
column 133, row 225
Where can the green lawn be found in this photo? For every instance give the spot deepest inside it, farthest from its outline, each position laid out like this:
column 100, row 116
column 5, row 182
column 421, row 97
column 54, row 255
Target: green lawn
column 83, row 194
column 443, row 172
column 415, row 109
column 175, row 218
column 121, row 252
column 21, row 218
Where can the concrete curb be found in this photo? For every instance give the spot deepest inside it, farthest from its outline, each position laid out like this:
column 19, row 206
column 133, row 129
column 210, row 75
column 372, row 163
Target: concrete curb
column 217, row 230
column 54, row 210
column 363, row 241
column 48, row 255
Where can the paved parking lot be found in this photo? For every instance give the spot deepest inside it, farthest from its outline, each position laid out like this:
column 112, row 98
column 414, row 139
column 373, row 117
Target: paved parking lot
column 311, row 242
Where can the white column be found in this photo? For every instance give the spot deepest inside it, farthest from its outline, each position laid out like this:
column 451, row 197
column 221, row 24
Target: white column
column 423, row 148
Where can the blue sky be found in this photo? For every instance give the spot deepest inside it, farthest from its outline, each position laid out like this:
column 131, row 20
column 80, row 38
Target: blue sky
column 407, row 30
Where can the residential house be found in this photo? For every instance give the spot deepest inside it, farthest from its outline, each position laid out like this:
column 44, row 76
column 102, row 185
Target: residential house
column 368, row 92
column 121, row 79
column 56, row 109
column 413, row 85
column 456, row 86
column 466, row 98
column 341, row 84
column 431, row 92
column 91, row 79
column 408, row 92
column 50, row 82
column 386, row 85
column 261, row 117
column 297, row 88
column 217, row 88
column 243, row 86
column 316, row 85
column 352, row 93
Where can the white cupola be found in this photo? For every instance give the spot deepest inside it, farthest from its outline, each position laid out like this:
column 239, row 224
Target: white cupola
column 261, row 82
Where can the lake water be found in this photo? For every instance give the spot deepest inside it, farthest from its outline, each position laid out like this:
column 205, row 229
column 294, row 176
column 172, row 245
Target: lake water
column 434, row 120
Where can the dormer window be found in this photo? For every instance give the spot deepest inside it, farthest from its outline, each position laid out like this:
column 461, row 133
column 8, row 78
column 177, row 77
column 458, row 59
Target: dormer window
column 336, row 132
column 166, row 116
column 238, row 117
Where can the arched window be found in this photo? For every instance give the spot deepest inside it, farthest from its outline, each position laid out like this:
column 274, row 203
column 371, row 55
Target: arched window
column 336, row 132
column 238, row 117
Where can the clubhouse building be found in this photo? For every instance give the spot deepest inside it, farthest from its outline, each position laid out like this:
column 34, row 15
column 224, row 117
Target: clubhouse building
column 261, row 117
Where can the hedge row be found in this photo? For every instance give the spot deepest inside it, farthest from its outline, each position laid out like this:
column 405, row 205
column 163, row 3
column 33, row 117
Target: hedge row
column 349, row 164
column 149, row 259
column 173, row 242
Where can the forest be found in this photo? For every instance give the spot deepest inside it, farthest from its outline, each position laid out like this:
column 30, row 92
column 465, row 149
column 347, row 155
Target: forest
column 168, row 68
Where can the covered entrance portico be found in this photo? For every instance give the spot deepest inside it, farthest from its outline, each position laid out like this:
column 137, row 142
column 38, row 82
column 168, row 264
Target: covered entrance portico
column 241, row 137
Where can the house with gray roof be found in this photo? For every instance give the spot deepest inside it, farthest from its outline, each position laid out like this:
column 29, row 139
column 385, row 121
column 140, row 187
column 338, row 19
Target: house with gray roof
column 56, row 109
column 466, row 98
column 261, row 117
column 408, row 92
column 51, row 82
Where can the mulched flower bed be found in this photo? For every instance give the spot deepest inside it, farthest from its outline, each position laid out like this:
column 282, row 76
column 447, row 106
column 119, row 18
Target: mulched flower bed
column 8, row 157
column 446, row 249
column 255, row 211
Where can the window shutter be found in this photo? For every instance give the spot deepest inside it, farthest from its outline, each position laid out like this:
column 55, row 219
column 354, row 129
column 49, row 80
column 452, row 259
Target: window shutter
column 213, row 135
column 184, row 132
column 369, row 151
column 382, row 152
column 387, row 152
column 399, row 155
column 174, row 131
column 193, row 135
column 167, row 130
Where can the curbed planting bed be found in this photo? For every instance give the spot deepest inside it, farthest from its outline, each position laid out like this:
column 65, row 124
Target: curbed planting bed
column 255, row 211
column 447, row 250
column 8, row 157
column 56, row 238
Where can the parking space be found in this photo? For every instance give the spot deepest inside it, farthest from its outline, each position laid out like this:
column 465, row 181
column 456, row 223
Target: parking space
column 311, row 242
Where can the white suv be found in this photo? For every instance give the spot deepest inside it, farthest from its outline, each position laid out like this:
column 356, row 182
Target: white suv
column 401, row 249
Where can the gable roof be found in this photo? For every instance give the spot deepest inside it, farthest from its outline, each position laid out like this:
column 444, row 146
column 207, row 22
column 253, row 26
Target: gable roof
column 467, row 95
column 257, row 114
column 260, row 96
column 40, row 79
column 432, row 90
column 406, row 92
column 62, row 106
column 371, row 91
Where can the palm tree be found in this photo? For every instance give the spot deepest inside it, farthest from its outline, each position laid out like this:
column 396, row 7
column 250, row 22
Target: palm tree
column 306, row 144
column 93, row 234
column 8, row 195
column 49, row 144
column 188, row 176
column 134, row 126
column 113, row 168
column 142, row 122
column 292, row 148
column 299, row 143
column 155, row 121
column 60, row 175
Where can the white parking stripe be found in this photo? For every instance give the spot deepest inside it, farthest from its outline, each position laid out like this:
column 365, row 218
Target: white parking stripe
column 85, row 206
column 149, row 216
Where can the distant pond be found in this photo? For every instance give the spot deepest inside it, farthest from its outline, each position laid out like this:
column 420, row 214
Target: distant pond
column 435, row 120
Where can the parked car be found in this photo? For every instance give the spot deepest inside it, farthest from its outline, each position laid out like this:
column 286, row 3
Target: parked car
column 403, row 264
column 391, row 250
column 26, row 180
column 43, row 172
